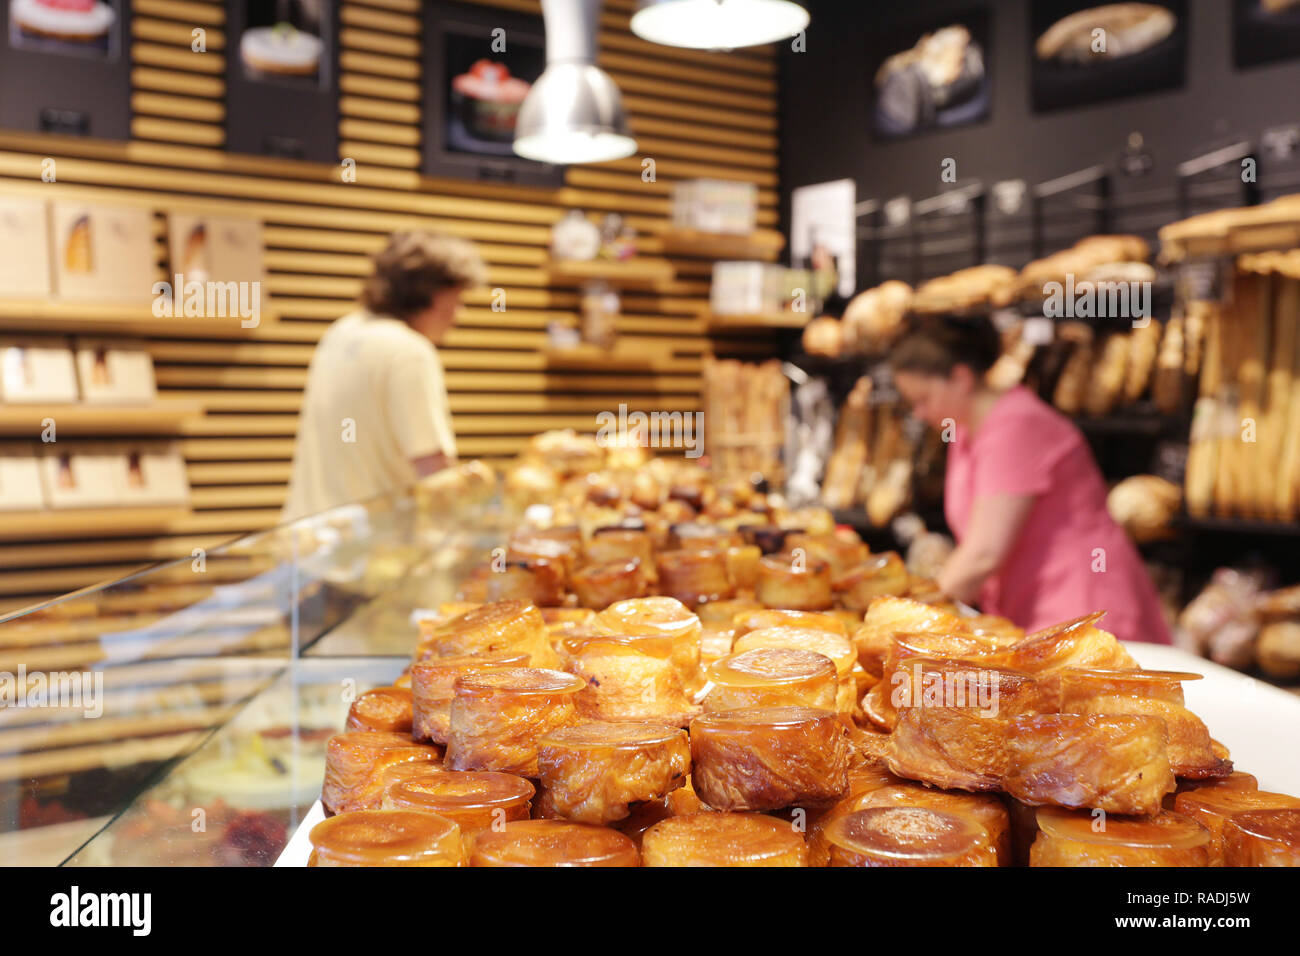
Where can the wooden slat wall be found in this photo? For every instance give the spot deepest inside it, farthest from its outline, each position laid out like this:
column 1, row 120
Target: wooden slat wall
column 695, row 114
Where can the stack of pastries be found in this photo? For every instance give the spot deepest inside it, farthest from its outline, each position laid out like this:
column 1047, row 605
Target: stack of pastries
column 722, row 695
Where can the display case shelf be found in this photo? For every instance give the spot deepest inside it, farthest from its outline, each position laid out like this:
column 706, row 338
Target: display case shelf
column 163, row 417
column 764, row 244
column 638, row 272
column 88, row 522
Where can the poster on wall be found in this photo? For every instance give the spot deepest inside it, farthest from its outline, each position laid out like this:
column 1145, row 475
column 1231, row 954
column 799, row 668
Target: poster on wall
column 823, row 231
column 1083, row 53
column 282, row 80
column 1265, row 31
column 64, row 68
column 931, row 75
column 479, row 64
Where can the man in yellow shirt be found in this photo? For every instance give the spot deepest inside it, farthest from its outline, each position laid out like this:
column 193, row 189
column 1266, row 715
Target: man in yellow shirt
column 375, row 416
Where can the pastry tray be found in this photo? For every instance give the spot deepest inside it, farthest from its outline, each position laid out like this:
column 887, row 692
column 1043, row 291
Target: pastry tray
column 1252, row 718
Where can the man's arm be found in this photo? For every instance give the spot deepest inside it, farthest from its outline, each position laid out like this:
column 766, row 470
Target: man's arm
column 995, row 524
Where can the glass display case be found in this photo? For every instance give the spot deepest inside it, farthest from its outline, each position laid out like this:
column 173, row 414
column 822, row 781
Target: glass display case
column 178, row 716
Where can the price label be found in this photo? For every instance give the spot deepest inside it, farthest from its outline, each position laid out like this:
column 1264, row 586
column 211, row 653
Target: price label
column 1038, row 330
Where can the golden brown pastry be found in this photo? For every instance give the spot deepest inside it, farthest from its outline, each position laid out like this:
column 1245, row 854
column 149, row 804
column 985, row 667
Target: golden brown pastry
column 552, row 843
column 764, row 758
column 888, row 616
column 498, row 716
column 772, row 677
column 722, row 839
column 660, row 616
column 1080, row 838
column 833, row 646
column 694, row 577
column 473, row 800
column 594, row 772
column 599, row 585
column 793, row 582
column 381, row 708
column 432, row 688
column 906, row 836
column 355, row 763
column 775, row 617
column 627, row 677
column 1116, row 764
column 385, row 838
column 1262, row 838
column 878, row 576
column 499, row 626
column 534, row 581
column 1213, row 807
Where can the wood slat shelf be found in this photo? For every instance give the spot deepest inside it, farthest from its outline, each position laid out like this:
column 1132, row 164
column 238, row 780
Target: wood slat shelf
column 775, row 320
column 766, row 244
column 639, row 272
column 595, row 357
column 88, row 522
column 163, row 417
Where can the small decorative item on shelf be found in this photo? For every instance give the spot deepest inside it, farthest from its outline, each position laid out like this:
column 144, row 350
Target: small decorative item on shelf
column 717, row 206
column 617, row 240
column 750, row 288
column 575, row 238
column 600, row 310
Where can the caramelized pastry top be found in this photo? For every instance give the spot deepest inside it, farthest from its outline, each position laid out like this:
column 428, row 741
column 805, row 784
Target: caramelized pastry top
column 826, row 643
column 629, row 735
column 770, row 665
column 392, row 835
column 1167, row 830
column 905, row 834
column 522, row 681
column 553, row 843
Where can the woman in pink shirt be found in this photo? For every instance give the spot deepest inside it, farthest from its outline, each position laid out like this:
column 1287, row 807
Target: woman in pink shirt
column 1023, row 495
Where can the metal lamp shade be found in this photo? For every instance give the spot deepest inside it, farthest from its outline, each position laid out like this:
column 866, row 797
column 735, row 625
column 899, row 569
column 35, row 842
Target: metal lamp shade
column 573, row 114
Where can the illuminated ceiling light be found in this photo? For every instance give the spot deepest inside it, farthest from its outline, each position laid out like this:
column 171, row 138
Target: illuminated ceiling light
column 574, row 112
column 717, row 24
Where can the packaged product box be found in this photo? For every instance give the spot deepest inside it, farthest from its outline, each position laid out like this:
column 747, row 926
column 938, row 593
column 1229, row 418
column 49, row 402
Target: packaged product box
column 154, row 474
column 82, row 476
column 103, row 252
column 20, row 479
column 36, row 370
column 24, row 248
column 115, row 372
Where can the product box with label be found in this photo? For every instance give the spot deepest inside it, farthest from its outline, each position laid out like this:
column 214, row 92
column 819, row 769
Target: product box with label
column 214, row 248
column 82, row 476
column 715, row 205
column 748, row 288
column 20, row 479
column 103, row 252
column 154, row 475
column 115, row 372
column 37, row 370
column 24, row 248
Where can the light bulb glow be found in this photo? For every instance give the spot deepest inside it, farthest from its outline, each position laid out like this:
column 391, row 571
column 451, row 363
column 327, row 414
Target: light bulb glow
column 718, row 24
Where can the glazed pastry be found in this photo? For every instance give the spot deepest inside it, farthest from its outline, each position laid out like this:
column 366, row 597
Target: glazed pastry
column 1077, row 643
column 1116, row 764
column 1158, row 693
column 764, row 758
column 599, row 585
column 500, row 626
column 552, row 843
column 878, row 576
column 534, row 581
column 722, row 839
column 355, row 763
column 383, row 708
column 772, row 677
column 613, row 544
column 1078, row 838
column 906, row 836
column 594, row 772
column 498, row 716
column 953, row 729
column 432, row 688
column 887, row 616
column 1233, row 781
column 723, row 614
column 1212, row 808
column 828, row 644
column 694, row 577
column 760, row 618
column 660, row 616
column 385, row 838
column 742, row 566
column 559, row 550
column 627, row 677
column 799, row 584
column 841, row 550
column 474, row 800
column 1262, row 838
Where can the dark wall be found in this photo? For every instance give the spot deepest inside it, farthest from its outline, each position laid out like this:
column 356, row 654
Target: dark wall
column 825, row 118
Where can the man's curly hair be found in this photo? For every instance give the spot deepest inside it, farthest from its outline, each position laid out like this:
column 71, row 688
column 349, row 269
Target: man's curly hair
column 416, row 265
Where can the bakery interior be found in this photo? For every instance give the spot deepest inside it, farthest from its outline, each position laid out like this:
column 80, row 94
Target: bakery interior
column 676, row 601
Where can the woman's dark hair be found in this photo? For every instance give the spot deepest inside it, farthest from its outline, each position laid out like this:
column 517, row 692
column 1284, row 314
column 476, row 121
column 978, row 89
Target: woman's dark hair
column 936, row 344
column 413, row 267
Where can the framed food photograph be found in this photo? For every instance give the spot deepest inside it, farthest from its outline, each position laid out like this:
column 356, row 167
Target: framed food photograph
column 282, row 78
column 64, row 67
column 479, row 64
column 1083, row 52
column 930, row 74
column 1265, row 31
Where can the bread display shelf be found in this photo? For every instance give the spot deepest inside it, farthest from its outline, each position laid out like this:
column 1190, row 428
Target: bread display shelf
column 764, row 244
column 639, row 272
column 1226, row 232
column 771, row 320
column 88, row 523
column 163, row 417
